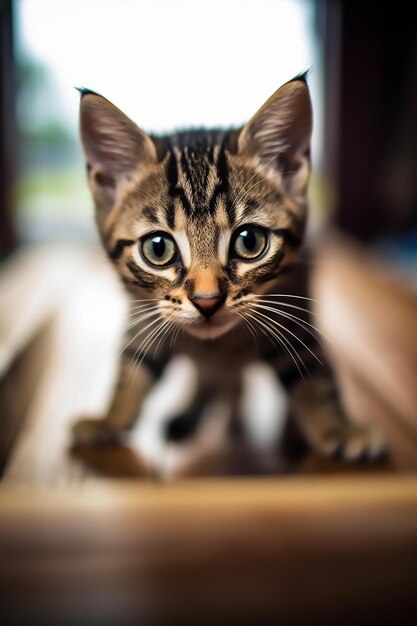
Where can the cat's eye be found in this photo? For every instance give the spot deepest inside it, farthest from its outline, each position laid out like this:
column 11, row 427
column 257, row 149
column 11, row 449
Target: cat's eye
column 159, row 249
column 249, row 243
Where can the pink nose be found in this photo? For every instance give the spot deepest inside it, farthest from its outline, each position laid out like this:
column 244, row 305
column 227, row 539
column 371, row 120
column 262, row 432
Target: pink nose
column 208, row 305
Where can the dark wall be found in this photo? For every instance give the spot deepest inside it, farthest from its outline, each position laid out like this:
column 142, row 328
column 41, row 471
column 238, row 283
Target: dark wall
column 7, row 128
column 371, row 115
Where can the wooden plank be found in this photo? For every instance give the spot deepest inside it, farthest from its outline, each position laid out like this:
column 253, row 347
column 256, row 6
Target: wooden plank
column 314, row 551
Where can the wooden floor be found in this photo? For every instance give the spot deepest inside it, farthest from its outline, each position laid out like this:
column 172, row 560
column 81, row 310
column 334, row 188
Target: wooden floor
column 297, row 551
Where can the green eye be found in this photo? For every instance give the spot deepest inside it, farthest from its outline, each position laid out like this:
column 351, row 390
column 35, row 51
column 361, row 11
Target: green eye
column 159, row 249
column 249, row 243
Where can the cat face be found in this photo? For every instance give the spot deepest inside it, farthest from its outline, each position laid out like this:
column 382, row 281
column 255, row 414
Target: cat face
column 200, row 220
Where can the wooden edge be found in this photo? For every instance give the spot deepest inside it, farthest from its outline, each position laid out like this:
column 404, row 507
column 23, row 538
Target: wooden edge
column 315, row 491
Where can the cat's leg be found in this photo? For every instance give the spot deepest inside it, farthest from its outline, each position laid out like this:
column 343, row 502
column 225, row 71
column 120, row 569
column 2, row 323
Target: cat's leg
column 133, row 383
column 315, row 405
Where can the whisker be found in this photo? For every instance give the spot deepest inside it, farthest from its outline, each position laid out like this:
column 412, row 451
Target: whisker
column 249, row 326
column 302, row 323
column 288, row 295
column 147, row 309
column 141, row 307
column 283, row 339
column 138, row 314
column 133, row 304
column 147, row 344
column 296, row 319
column 284, row 342
column 137, row 360
column 140, row 319
column 164, row 334
column 286, row 304
column 180, row 327
column 175, row 335
column 273, row 321
column 267, row 333
column 136, row 336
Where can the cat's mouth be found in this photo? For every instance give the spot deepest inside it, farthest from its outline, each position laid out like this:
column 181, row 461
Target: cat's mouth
column 219, row 324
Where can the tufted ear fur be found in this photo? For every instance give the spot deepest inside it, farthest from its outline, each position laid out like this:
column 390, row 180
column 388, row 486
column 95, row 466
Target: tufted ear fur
column 114, row 148
column 279, row 134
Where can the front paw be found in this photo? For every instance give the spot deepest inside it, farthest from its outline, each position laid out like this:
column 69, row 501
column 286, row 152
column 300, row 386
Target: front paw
column 92, row 432
column 351, row 442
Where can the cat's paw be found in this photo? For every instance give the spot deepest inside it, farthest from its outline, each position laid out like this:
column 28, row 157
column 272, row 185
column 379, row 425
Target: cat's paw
column 92, row 432
column 351, row 442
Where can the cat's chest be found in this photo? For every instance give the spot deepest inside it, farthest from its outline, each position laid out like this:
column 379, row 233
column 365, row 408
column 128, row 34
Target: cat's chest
column 234, row 350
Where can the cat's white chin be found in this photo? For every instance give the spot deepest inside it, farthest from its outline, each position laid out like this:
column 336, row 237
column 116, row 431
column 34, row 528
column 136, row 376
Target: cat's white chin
column 210, row 329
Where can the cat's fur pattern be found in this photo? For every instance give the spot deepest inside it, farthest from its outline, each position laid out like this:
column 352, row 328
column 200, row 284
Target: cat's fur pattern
column 200, row 186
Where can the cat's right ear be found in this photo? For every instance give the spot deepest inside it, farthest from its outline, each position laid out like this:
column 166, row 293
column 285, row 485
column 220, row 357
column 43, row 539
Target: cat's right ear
column 278, row 135
column 115, row 148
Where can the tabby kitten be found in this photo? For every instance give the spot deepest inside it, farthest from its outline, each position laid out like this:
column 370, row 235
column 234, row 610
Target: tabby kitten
column 205, row 229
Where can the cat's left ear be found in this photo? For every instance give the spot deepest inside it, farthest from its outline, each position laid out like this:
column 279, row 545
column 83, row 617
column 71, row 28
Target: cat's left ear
column 279, row 134
column 115, row 149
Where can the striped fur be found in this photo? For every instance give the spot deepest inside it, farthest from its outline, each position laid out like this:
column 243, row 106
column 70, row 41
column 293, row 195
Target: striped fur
column 201, row 190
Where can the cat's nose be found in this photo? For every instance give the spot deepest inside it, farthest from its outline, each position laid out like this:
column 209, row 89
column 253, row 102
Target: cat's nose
column 208, row 304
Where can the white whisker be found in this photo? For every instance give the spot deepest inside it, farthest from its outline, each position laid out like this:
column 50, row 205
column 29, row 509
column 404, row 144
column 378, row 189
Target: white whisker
column 267, row 333
column 273, row 321
column 142, row 307
column 149, row 341
column 139, row 319
column 180, row 326
column 288, row 295
column 145, row 300
column 145, row 343
column 281, row 337
column 137, row 335
column 164, row 334
column 296, row 319
column 283, row 341
column 137, row 314
column 286, row 304
column 249, row 326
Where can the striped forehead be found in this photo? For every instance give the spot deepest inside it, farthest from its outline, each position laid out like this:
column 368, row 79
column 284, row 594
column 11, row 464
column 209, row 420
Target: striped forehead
column 197, row 174
column 198, row 182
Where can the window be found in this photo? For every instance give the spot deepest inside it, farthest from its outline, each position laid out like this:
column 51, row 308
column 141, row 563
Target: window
column 167, row 64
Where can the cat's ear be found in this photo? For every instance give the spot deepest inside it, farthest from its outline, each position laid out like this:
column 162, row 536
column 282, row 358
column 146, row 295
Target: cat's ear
column 279, row 134
column 115, row 148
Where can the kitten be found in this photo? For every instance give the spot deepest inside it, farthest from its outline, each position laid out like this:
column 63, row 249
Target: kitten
column 205, row 229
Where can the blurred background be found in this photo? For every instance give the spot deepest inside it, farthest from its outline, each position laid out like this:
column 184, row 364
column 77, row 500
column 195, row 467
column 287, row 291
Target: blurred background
column 171, row 64
column 168, row 65
column 73, row 544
